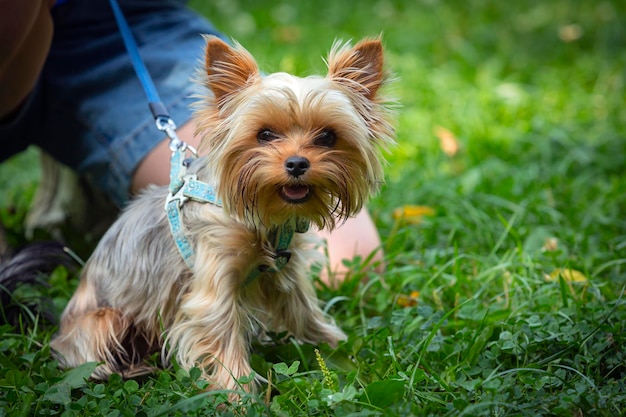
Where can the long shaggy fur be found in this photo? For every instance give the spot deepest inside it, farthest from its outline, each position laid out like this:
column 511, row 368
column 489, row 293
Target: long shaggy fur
column 137, row 296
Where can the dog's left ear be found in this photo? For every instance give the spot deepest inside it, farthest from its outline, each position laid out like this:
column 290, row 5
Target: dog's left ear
column 229, row 68
column 359, row 68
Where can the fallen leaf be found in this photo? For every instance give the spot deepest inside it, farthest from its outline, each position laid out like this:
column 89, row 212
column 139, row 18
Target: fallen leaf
column 412, row 214
column 447, row 141
column 410, row 300
column 568, row 275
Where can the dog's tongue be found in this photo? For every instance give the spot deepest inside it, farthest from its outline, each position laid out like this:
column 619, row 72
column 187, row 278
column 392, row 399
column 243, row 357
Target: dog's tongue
column 295, row 192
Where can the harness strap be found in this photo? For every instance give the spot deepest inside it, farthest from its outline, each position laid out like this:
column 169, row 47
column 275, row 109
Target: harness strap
column 178, row 168
column 190, row 189
column 182, row 188
column 174, row 217
column 199, row 191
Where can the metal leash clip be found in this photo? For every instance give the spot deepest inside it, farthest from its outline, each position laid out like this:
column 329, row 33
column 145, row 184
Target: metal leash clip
column 166, row 124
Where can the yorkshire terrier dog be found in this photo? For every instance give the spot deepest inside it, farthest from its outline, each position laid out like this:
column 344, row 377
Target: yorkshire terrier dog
column 281, row 152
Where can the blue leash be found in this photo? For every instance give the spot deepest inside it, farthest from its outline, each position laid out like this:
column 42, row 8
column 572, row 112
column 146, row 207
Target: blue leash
column 157, row 107
column 161, row 116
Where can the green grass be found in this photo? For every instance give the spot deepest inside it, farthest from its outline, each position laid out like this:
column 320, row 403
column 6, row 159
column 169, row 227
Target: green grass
column 534, row 93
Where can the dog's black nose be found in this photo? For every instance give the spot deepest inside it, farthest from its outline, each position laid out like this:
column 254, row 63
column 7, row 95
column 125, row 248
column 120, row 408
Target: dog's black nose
column 297, row 165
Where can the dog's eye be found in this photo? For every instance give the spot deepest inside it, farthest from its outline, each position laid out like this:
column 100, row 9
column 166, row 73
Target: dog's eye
column 327, row 139
column 266, row 135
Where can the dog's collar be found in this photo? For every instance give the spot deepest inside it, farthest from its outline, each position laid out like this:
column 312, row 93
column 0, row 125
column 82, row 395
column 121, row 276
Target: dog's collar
column 188, row 187
column 280, row 238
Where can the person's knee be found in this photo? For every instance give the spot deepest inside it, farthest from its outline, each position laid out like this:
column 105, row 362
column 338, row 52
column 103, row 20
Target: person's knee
column 356, row 238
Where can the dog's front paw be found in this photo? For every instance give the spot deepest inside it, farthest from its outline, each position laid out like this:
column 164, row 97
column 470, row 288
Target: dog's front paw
column 231, row 376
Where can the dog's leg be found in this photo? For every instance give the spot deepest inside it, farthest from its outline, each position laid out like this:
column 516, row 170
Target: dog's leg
column 92, row 337
column 211, row 330
column 92, row 334
column 300, row 313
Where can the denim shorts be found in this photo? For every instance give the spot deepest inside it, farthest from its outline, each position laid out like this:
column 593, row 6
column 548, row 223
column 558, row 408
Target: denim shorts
column 89, row 110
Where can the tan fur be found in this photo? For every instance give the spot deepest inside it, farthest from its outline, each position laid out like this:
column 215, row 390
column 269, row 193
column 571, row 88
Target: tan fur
column 137, row 296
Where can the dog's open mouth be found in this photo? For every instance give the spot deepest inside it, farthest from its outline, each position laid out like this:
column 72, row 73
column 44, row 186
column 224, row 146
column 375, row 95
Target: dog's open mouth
column 295, row 193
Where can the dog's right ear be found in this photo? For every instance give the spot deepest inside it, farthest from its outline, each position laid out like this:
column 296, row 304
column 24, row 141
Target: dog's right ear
column 229, row 68
column 359, row 68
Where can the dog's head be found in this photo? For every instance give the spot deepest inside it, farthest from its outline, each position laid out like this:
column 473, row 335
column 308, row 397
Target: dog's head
column 283, row 146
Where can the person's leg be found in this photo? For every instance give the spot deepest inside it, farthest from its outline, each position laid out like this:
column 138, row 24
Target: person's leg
column 357, row 237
